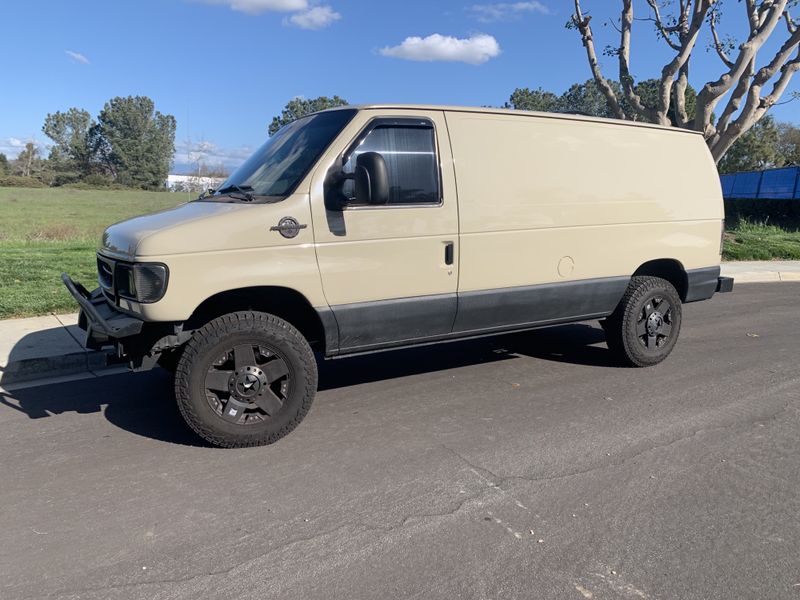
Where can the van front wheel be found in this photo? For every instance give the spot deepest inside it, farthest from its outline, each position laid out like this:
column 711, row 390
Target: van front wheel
column 644, row 328
column 245, row 379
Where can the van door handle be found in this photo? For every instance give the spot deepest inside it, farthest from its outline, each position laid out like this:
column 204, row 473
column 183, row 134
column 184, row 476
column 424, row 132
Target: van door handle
column 448, row 253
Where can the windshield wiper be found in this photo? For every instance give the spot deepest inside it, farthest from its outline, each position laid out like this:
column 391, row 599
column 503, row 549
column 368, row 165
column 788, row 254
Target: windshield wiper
column 245, row 195
column 206, row 193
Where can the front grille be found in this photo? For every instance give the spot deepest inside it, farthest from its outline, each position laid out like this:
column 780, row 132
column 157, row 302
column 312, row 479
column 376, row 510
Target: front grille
column 115, row 278
column 105, row 277
column 105, row 273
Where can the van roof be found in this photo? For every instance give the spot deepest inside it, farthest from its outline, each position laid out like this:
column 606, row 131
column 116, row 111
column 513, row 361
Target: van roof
column 510, row 111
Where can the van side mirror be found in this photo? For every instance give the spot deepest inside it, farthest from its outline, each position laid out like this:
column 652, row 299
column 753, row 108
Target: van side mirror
column 334, row 179
column 371, row 179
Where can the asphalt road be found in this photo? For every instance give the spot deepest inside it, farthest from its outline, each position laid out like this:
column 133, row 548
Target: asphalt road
column 522, row 466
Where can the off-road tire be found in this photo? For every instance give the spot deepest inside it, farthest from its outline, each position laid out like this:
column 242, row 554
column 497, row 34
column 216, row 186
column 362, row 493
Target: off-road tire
column 629, row 328
column 241, row 329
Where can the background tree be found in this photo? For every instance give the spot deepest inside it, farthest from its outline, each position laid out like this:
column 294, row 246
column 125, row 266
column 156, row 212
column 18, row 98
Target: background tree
column 205, row 169
column 681, row 24
column 134, row 142
column 70, row 155
column 28, row 161
column 648, row 91
column 538, row 99
column 759, row 148
column 3, row 164
column 300, row 107
column 586, row 98
column 789, row 143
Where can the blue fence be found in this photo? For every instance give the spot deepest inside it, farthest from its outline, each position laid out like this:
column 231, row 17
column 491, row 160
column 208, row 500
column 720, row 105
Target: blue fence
column 771, row 184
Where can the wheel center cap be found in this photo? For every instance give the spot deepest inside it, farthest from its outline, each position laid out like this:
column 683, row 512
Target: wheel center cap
column 654, row 323
column 248, row 385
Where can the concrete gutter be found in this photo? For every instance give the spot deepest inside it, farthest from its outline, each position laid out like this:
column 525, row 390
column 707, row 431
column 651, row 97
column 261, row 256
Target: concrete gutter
column 51, row 346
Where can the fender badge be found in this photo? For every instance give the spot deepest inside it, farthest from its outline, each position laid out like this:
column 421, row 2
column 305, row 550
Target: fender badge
column 288, row 227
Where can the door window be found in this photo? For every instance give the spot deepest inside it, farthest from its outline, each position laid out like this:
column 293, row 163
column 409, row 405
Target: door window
column 410, row 155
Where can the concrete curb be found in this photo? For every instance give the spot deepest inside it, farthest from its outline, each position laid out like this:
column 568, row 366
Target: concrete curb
column 762, row 272
column 45, row 367
column 44, row 347
column 769, row 277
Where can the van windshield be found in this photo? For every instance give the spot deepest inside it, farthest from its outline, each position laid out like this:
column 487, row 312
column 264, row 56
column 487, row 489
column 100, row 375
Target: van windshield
column 277, row 168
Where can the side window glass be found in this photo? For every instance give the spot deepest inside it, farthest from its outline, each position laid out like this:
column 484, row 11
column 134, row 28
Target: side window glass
column 410, row 155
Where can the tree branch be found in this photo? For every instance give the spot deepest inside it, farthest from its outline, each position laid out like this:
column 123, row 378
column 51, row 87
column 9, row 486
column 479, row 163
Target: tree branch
column 665, row 31
column 689, row 35
column 735, row 101
column 582, row 24
column 756, row 106
column 752, row 14
column 712, row 21
column 679, row 93
column 791, row 24
column 625, row 78
column 763, row 19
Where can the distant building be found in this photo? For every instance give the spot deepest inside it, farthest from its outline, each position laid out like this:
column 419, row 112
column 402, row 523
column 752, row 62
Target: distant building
column 191, row 183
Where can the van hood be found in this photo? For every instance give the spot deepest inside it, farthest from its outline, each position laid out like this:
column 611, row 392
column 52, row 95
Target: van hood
column 190, row 227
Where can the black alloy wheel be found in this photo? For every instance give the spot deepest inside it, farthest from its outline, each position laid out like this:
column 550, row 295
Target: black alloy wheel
column 248, row 384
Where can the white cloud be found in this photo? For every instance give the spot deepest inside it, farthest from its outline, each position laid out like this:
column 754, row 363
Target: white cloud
column 77, row 57
column 316, row 17
column 12, row 146
column 506, row 11
column 257, row 7
column 308, row 14
column 473, row 50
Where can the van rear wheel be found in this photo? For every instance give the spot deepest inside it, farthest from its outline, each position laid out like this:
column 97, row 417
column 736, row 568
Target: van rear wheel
column 245, row 379
column 644, row 328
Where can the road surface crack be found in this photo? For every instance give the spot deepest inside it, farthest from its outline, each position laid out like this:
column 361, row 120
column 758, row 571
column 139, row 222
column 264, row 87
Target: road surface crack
column 499, row 481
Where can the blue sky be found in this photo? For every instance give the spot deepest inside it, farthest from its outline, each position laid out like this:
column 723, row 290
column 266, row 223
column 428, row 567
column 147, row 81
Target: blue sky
column 225, row 67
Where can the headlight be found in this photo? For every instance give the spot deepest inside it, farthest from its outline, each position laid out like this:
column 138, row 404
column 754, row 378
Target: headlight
column 143, row 282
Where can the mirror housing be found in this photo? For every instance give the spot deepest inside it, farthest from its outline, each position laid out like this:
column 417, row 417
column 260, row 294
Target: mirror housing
column 335, row 177
column 371, row 179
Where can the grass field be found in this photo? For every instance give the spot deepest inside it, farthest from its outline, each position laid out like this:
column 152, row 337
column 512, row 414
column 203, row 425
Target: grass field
column 760, row 241
column 44, row 232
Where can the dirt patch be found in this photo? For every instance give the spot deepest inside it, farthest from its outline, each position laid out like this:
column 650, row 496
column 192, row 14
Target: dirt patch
column 57, row 232
column 730, row 237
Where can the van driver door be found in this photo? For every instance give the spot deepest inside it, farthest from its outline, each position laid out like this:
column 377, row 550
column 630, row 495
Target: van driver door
column 389, row 272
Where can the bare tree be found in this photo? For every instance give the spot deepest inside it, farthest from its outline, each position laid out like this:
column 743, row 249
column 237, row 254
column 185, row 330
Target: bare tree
column 26, row 160
column 741, row 84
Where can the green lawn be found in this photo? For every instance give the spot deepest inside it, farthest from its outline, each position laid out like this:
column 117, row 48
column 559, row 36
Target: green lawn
column 44, row 232
column 759, row 241
column 59, row 214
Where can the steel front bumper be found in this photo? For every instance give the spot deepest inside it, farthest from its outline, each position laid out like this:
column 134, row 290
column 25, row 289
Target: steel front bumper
column 103, row 323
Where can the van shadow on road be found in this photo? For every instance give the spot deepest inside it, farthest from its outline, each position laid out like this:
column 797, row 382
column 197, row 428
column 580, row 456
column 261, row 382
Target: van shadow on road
column 574, row 343
column 143, row 403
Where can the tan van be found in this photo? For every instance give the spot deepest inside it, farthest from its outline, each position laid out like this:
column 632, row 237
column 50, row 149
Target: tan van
column 365, row 228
